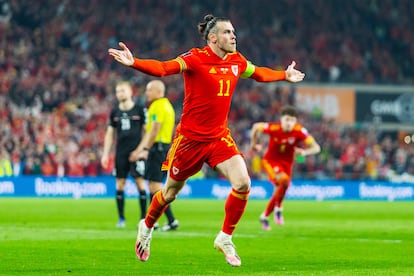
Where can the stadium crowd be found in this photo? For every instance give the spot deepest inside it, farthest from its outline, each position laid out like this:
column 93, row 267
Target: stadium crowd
column 57, row 80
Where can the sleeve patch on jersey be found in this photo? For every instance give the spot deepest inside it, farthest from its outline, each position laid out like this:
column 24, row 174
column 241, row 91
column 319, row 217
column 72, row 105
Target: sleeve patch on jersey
column 309, row 140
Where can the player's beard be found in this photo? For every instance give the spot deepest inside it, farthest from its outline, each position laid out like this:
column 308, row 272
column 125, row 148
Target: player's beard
column 227, row 47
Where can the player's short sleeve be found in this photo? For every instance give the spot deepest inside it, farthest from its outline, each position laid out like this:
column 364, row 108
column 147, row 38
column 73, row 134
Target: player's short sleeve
column 155, row 112
column 142, row 111
column 304, row 135
column 307, row 138
column 304, row 132
column 266, row 127
column 152, row 114
column 111, row 119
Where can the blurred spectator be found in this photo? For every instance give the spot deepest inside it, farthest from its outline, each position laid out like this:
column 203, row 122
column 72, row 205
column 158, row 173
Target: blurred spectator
column 92, row 167
column 6, row 168
column 399, row 166
column 374, row 160
column 56, row 77
column 75, row 166
column 32, row 166
column 16, row 162
column 47, row 167
column 5, row 12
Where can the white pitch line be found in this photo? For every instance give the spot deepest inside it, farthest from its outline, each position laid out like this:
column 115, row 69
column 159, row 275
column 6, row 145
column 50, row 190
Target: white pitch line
column 379, row 240
column 355, row 239
column 67, row 233
column 13, row 233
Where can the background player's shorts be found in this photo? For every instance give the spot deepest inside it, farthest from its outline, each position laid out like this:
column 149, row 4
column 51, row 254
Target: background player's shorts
column 156, row 156
column 272, row 168
column 123, row 166
column 186, row 157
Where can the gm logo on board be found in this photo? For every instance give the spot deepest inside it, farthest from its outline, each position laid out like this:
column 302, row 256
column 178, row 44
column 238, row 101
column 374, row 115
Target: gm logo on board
column 402, row 108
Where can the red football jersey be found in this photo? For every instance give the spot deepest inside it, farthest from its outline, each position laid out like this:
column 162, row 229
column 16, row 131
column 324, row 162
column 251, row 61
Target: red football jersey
column 282, row 144
column 209, row 85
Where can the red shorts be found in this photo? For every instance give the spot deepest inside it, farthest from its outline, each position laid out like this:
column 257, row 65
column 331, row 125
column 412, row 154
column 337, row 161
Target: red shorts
column 273, row 167
column 186, row 157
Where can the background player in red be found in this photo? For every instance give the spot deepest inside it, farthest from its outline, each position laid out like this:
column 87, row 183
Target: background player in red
column 202, row 136
column 285, row 138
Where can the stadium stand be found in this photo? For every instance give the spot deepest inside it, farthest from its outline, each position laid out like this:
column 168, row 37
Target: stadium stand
column 56, row 79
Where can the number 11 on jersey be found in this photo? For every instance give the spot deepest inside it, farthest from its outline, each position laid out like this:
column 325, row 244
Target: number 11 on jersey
column 224, row 88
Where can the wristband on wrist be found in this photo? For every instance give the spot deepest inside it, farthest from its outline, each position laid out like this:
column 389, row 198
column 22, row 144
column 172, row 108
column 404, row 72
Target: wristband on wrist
column 146, row 149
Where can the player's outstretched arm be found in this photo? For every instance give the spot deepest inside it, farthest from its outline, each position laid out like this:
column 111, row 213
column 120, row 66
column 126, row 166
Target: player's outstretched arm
column 266, row 74
column 293, row 75
column 312, row 148
column 148, row 66
column 123, row 56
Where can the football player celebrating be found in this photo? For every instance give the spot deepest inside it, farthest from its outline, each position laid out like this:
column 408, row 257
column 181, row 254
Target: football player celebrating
column 284, row 140
column 202, row 135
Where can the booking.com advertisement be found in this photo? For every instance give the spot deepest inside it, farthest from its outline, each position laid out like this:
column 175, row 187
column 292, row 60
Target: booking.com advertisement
column 27, row 186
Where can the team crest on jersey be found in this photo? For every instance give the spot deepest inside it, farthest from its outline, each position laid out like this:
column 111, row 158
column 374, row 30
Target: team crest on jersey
column 235, row 70
column 291, row 140
column 175, row 170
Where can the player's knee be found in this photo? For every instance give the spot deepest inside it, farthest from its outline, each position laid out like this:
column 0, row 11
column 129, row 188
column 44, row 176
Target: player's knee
column 170, row 197
column 170, row 193
column 171, row 189
column 120, row 184
column 242, row 184
column 285, row 180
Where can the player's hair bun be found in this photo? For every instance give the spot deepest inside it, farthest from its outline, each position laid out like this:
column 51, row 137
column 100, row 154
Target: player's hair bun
column 208, row 18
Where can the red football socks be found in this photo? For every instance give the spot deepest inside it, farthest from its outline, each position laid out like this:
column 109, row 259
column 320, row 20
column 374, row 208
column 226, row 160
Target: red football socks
column 271, row 205
column 234, row 207
column 156, row 209
column 278, row 196
column 281, row 191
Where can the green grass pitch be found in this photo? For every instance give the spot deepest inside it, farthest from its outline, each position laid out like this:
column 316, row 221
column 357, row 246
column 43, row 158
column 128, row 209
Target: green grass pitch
column 78, row 237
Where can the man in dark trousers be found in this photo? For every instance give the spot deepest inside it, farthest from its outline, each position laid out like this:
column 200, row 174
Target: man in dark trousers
column 156, row 142
column 126, row 122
